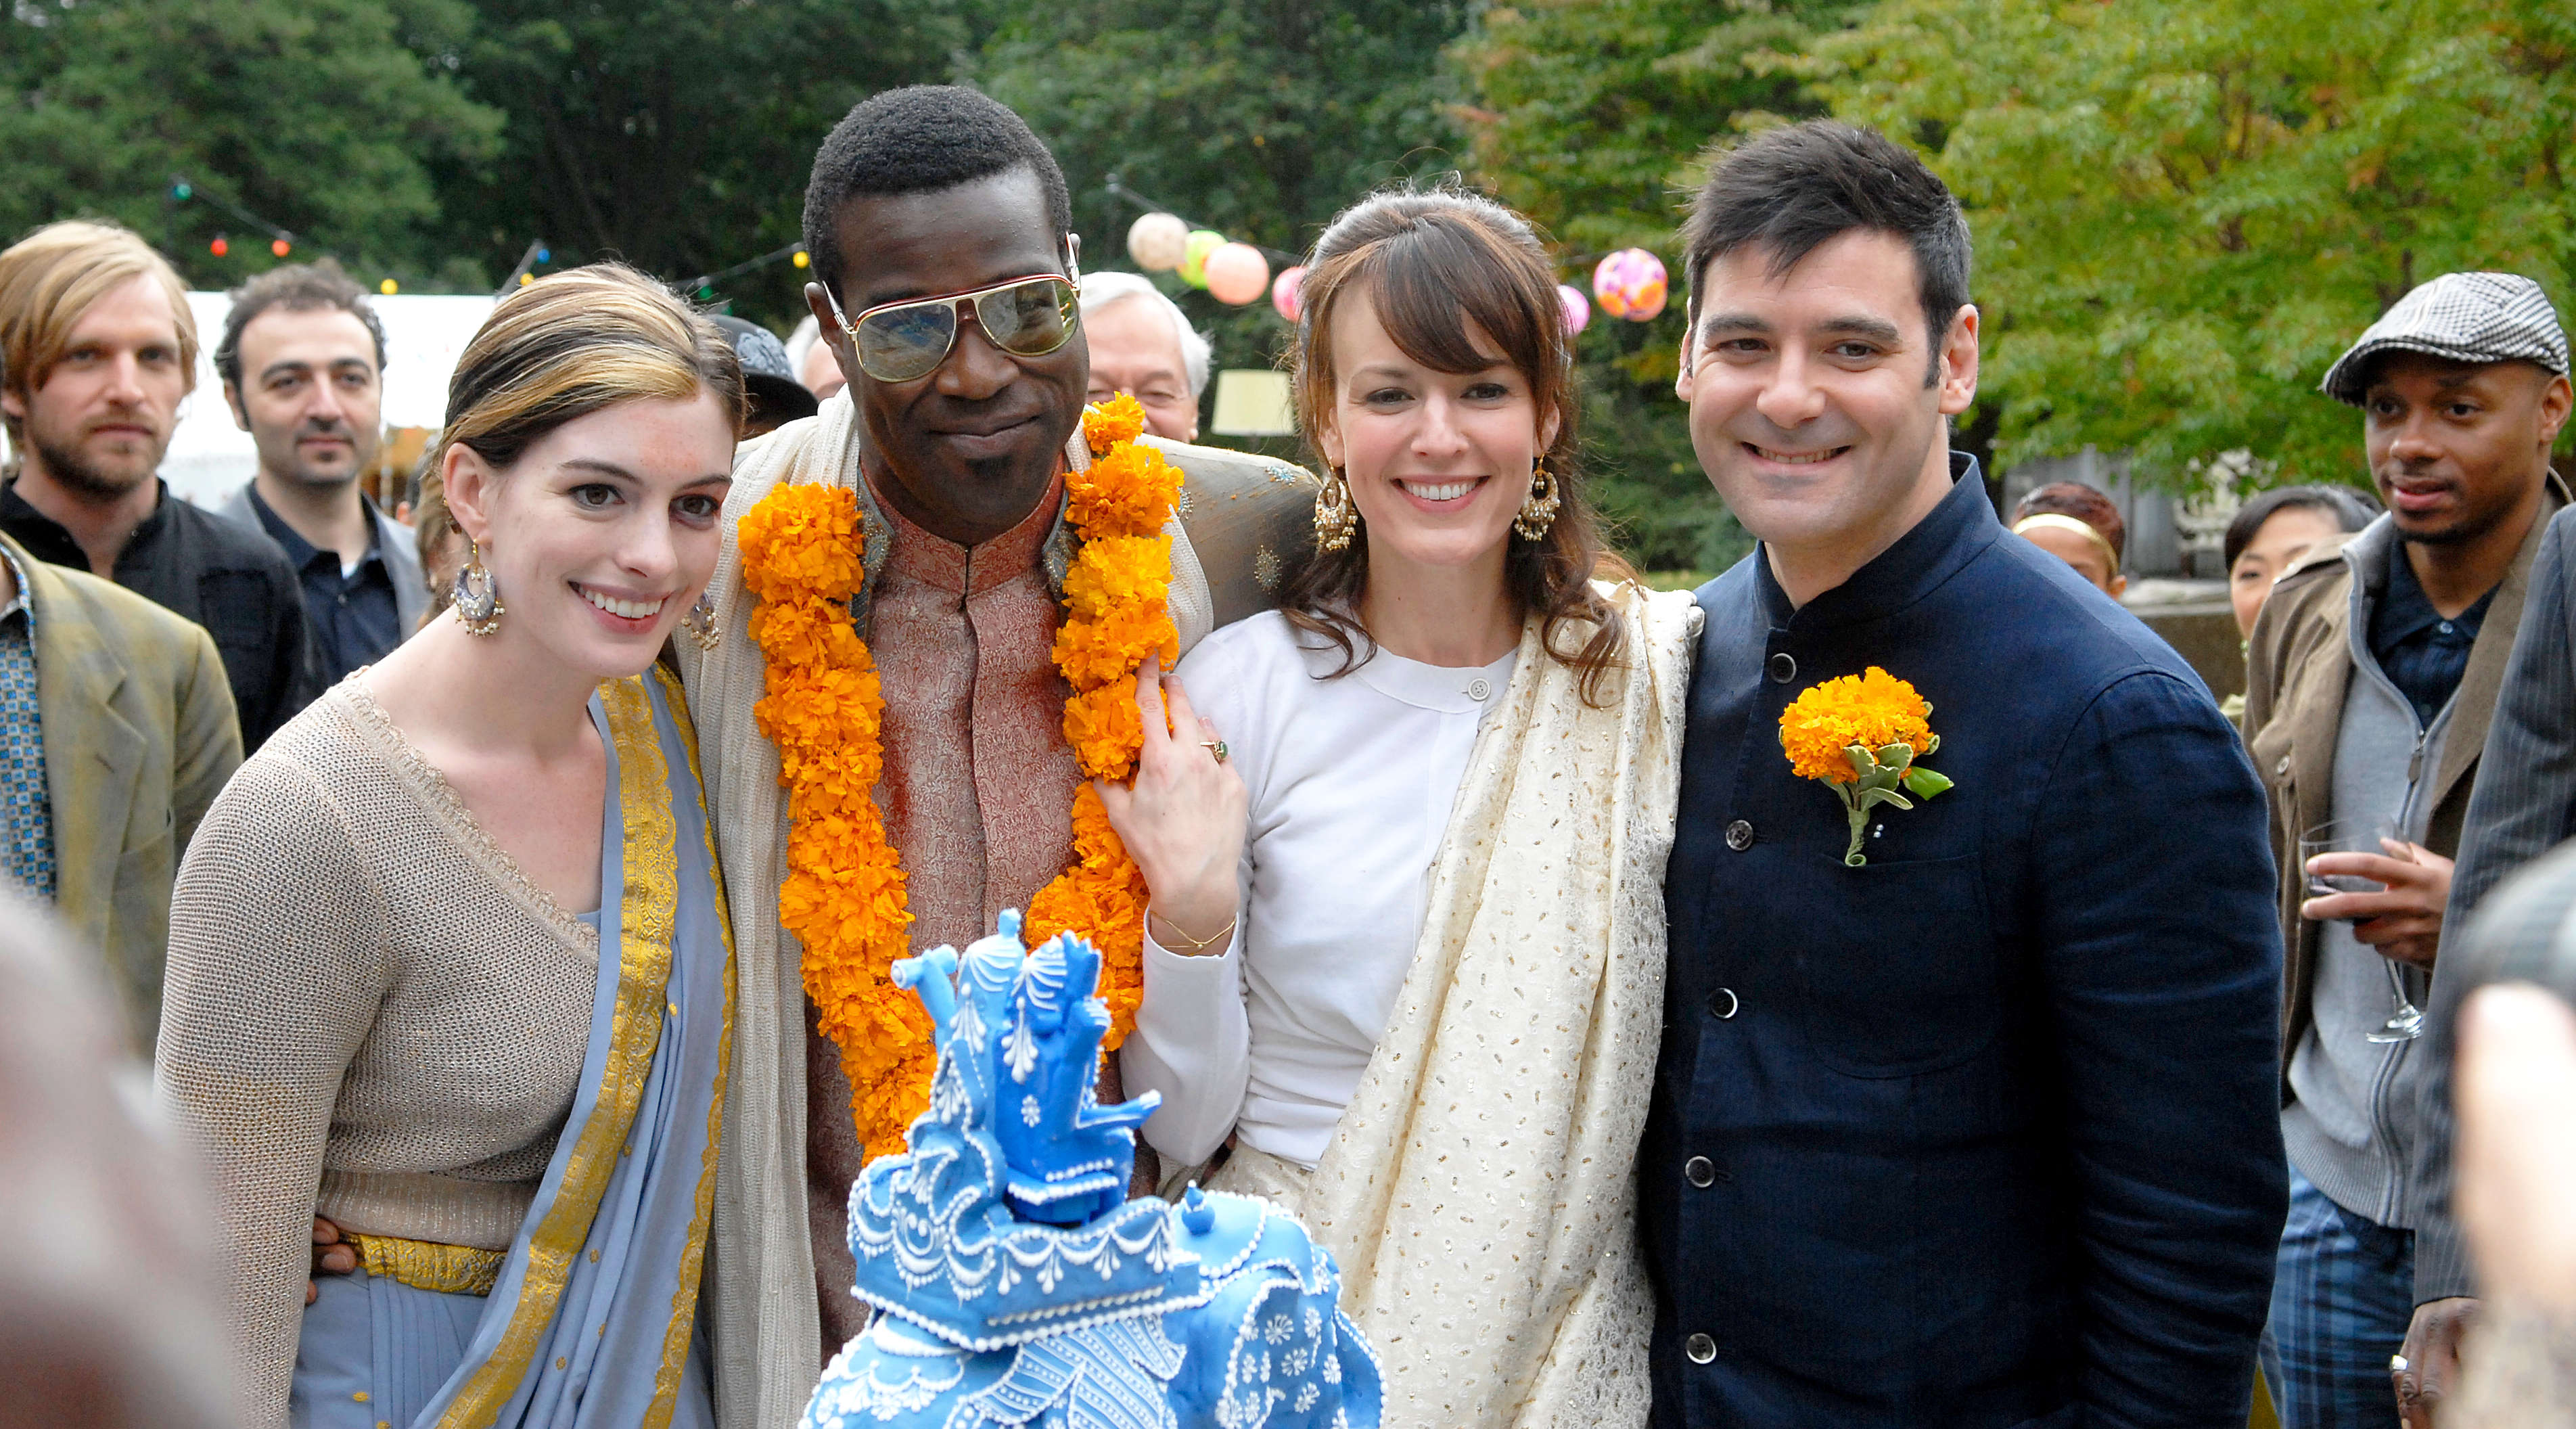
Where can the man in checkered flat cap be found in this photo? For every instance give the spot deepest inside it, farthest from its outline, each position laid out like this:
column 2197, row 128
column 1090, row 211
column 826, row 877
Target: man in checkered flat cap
column 2525, row 804
column 2372, row 678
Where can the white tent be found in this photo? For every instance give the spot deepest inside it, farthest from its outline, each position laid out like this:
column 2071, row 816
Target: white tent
column 210, row 454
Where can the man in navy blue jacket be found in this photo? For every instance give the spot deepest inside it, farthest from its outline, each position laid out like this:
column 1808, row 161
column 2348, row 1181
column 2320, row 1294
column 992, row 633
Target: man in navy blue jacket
column 1984, row 1131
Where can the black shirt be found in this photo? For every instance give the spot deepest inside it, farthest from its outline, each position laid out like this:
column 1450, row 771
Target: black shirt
column 354, row 618
column 228, row 578
column 2423, row 654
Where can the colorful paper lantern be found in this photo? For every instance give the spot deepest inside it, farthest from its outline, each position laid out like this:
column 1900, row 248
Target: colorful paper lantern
column 1237, row 274
column 280, row 247
column 1630, row 284
column 1158, row 242
column 1194, row 256
column 1283, row 292
column 1578, row 312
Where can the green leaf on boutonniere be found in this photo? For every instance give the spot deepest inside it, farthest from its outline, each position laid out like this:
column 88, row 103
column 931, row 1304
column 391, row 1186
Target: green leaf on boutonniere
column 1925, row 782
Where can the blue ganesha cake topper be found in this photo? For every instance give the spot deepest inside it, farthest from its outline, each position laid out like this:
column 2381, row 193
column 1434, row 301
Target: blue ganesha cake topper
column 1016, row 1285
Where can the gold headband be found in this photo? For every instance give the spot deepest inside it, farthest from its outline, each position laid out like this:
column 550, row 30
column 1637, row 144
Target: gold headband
column 2056, row 522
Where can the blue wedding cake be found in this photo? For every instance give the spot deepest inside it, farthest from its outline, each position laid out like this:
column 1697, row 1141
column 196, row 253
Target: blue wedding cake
column 1014, row 1282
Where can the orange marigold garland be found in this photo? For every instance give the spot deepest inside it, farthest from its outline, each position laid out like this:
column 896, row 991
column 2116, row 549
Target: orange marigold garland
column 1116, row 614
column 844, row 897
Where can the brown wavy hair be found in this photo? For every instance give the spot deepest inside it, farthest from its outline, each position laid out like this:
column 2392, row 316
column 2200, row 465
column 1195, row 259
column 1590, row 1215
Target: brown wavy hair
column 1442, row 267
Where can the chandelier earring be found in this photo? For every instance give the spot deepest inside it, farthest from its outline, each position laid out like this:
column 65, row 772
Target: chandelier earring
column 700, row 621
column 1337, row 517
column 1539, row 511
column 477, row 598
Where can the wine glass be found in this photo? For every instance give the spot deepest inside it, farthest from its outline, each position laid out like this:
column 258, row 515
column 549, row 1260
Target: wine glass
column 2406, row 1022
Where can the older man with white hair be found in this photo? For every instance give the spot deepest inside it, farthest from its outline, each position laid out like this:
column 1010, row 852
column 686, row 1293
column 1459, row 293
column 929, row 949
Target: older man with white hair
column 1142, row 344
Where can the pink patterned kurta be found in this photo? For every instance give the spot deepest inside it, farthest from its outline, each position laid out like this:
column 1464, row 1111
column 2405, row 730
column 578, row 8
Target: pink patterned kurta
column 977, row 793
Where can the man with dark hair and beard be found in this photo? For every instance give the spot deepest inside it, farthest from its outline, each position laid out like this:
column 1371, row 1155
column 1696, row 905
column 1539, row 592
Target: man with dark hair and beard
column 945, row 283
column 303, row 364
column 2371, row 681
column 97, row 348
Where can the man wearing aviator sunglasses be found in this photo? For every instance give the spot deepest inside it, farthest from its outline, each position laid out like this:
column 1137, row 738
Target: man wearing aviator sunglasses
column 946, row 288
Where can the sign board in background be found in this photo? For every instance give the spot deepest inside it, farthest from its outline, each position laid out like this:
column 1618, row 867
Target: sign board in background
column 424, row 335
column 1253, row 402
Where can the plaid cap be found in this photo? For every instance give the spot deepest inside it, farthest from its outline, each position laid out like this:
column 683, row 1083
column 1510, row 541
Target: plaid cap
column 2465, row 317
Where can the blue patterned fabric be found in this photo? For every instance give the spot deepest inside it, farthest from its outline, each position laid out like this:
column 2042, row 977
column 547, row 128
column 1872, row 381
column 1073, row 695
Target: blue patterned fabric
column 26, row 810
column 2341, row 1299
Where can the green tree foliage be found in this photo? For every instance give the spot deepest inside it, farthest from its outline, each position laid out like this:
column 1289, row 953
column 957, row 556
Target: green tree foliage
column 1258, row 118
column 1591, row 116
column 2184, row 210
column 316, row 115
column 675, row 134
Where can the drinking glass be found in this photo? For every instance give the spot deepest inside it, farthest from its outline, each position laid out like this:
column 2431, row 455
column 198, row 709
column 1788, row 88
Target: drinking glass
column 2406, row 1022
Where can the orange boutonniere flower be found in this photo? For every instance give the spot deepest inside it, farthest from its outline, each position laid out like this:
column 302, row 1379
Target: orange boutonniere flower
column 843, row 896
column 1859, row 736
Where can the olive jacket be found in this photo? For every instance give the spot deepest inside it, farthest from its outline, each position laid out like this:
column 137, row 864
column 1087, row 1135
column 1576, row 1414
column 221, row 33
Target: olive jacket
column 139, row 735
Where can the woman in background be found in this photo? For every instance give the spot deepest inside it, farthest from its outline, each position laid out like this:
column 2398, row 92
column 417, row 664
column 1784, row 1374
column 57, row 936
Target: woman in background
column 2275, row 529
column 1420, row 997
column 2079, row 526
column 447, row 958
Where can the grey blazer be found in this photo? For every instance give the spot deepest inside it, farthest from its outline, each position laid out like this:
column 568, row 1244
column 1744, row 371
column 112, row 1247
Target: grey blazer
column 2523, row 806
column 395, row 540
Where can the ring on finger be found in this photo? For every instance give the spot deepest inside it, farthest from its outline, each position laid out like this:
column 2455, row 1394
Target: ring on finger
column 1215, row 747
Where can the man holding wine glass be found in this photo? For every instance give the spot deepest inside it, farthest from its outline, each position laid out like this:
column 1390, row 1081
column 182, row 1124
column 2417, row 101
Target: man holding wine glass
column 2371, row 677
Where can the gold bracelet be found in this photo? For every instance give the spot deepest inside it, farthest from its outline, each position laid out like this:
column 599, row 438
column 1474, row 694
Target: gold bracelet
column 1201, row 944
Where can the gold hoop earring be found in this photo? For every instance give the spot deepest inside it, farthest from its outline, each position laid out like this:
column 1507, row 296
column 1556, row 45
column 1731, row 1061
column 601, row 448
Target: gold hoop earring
column 476, row 597
column 1337, row 517
column 1538, row 512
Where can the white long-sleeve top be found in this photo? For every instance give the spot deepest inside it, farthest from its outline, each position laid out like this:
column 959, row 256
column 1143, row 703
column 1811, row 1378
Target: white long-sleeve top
column 1351, row 782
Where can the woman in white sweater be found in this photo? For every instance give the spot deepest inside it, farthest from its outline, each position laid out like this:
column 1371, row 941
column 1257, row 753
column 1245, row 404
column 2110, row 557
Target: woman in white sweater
column 1404, row 963
column 447, row 957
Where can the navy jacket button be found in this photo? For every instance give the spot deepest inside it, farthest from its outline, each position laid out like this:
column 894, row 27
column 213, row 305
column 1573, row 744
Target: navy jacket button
column 1739, row 835
column 1723, row 1003
column 1784, row 668
column 1700, row 1172
column 1700, row 1348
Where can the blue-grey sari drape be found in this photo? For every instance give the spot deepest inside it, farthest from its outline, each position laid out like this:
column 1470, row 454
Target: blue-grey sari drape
column 592, row 1321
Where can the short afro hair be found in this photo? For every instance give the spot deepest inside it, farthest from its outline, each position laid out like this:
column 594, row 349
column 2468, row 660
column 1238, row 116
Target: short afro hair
column 920, row 139
column 1792, row 190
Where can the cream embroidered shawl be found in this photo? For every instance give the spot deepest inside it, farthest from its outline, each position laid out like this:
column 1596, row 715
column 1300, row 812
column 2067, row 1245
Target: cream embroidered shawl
column 1480, row 1189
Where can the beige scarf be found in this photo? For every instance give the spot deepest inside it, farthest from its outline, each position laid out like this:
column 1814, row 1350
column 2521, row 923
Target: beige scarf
column 1480, row 1189
column 765, row 1328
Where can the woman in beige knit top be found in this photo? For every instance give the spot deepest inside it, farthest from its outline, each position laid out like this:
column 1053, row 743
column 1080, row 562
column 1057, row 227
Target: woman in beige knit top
column 447, row 958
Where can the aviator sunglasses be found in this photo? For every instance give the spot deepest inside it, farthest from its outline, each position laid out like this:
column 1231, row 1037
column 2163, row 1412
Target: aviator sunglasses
column 906, row 341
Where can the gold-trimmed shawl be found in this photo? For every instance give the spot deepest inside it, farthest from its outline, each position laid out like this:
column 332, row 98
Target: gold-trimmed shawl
column 645, row 921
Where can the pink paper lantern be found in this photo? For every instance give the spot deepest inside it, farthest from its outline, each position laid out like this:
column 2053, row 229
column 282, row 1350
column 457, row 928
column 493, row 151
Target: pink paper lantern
column 1237, row 274
column 1578, row 312
column 1283, row 292
column 1630, row 284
